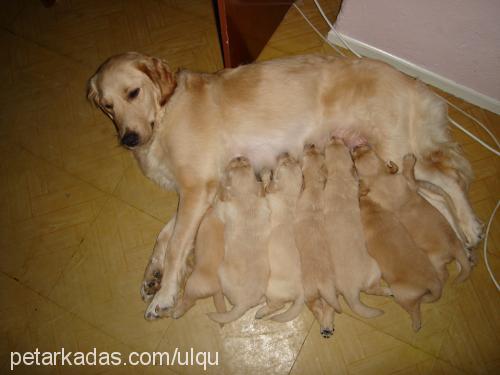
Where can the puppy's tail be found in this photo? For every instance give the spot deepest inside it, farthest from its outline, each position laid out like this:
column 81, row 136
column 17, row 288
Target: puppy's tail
column 291, row 313
column 226, row 317
column 220, row 304
column 465, row 266
column 359, row 307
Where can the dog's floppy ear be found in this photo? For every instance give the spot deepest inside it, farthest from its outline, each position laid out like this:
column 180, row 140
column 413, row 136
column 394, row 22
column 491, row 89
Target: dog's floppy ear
column 159, row 72
column 92, row 92
column 392, row 168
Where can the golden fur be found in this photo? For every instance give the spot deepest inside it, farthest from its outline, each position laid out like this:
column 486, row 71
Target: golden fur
column 355, row 269
column 285, row 280
column 318, row 275
column 187, row 126
column 405, row 267
column 244, row 271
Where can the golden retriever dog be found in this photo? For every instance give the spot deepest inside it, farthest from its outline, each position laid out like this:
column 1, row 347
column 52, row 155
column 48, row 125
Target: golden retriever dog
column 245, row 269
column 208, row 255
column 405, row 267
column 427, row 227
column 184, row 127
column 355, row 269
column 285, row 279
column 318, row 275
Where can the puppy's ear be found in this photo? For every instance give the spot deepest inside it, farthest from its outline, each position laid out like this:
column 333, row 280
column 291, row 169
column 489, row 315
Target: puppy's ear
column 92, row 92
column 392, row 168
column 159, row 72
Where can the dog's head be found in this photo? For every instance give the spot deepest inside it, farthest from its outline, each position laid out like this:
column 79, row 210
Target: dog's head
column 132, row 89
column 337, row 156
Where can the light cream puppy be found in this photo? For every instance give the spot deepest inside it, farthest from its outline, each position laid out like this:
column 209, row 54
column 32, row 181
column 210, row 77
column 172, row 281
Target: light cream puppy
column 285, row 280
column 208, row 255
column 355, row 269
column 405, row 267
column 318, row 276
column 245, row 269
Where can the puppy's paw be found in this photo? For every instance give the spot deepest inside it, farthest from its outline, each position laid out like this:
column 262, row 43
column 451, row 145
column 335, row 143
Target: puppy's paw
column 327, row 332
column 151, row 283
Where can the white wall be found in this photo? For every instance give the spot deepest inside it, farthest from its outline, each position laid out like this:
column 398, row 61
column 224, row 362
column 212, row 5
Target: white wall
column 457, row 39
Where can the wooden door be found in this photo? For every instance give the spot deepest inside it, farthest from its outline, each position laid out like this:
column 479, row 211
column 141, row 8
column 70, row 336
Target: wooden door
column 245, row 26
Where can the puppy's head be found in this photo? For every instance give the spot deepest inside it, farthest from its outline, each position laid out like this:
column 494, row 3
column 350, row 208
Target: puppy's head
column 337, row 156
column 287, row 176
column 131, row 89
column 313, row 166
column 240, row 178
column 369, row 164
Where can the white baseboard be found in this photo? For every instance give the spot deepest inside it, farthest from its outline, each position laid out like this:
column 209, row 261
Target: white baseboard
column 423, row 74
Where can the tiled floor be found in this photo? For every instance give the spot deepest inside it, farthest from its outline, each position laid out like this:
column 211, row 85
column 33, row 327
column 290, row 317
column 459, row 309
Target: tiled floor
column 78, row 219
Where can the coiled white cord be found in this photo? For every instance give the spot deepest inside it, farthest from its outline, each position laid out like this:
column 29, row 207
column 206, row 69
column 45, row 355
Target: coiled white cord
column 456, row 124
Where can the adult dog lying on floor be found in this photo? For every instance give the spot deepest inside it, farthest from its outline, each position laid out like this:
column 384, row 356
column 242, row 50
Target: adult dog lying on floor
column 184, row 127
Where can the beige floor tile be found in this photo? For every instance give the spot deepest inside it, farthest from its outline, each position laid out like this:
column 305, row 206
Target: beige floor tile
column 101, row 284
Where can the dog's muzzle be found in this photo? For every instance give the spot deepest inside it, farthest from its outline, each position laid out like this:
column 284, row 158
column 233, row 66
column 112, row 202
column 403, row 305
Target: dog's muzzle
column 130, row 139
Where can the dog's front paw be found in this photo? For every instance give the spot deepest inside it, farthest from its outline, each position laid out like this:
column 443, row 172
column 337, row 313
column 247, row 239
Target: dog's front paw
column 151, row 282
column 161, row 306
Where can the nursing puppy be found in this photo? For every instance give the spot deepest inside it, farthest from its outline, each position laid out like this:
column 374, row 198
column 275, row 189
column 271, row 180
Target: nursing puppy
column 208, row 255
column 355, row 269
column 428, row 228
column 245, row 269
column 405, row 267
column 285, row 280
column 318, row 276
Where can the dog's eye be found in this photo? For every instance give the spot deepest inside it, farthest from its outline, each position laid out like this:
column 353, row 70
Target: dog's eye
column 108, row 106
column 134, row 93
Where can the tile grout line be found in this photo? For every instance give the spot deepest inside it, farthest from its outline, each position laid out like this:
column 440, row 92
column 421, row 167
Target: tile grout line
column 404, row 342
column 301, row 346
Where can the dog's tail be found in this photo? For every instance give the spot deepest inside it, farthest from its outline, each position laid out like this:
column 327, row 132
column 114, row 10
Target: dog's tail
column 292, row 312
column 352, row 299
column 226, row 317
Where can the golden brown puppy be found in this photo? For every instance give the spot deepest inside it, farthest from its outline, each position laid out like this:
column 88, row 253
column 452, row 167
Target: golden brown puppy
column 183, row 128
column 427, row 227
column 318, row 275
column 245, row 269
column 405, row 267
column 285, row 280
column 355, row 269
column 208, row 255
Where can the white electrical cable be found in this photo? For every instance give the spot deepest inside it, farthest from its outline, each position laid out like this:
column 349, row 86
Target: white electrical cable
column 477, row 139
column 317, row 31
column 485, row 248
column 335, row 31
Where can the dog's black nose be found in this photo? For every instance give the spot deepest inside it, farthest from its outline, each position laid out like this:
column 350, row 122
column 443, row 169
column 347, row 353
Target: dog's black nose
column 130, row 139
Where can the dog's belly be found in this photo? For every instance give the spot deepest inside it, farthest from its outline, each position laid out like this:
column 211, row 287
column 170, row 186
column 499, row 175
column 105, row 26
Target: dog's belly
column 263, row 149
